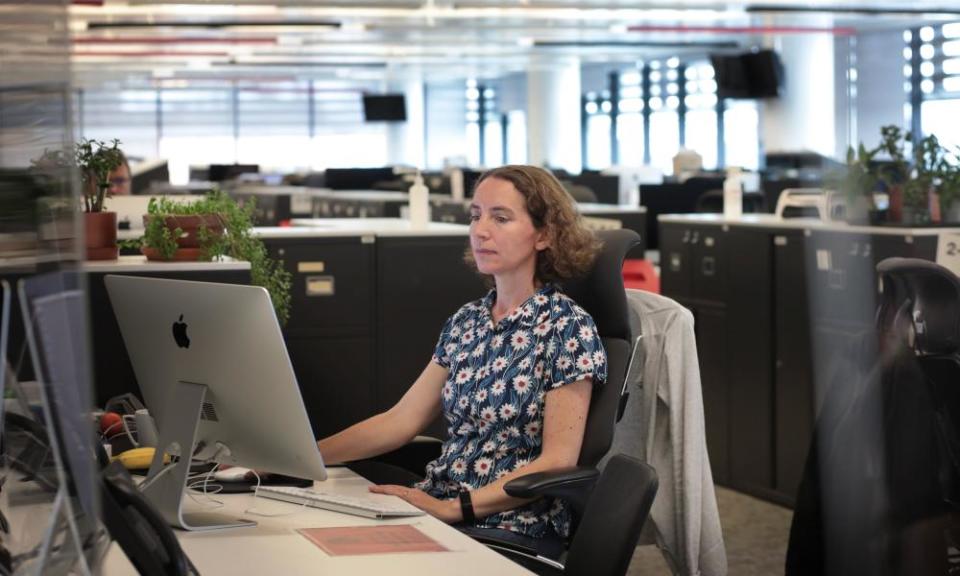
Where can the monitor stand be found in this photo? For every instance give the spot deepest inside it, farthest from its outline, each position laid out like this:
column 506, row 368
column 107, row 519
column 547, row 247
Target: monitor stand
column 165, row 489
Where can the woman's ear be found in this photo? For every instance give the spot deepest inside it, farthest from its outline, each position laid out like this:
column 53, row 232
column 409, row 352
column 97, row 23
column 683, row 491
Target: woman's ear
column 543, row 240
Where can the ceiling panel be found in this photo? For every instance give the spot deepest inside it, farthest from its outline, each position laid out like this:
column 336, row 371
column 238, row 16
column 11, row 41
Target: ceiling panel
column 143, row 41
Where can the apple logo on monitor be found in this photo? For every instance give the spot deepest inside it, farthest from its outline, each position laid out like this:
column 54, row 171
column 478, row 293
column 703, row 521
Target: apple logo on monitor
column 180, row 333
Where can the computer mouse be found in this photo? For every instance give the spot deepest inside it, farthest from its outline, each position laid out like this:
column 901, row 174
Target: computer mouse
column 233, row 474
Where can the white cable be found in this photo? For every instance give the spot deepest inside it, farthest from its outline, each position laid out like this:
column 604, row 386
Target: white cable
column 146, row 484
column 211, row 502
column 256, row 494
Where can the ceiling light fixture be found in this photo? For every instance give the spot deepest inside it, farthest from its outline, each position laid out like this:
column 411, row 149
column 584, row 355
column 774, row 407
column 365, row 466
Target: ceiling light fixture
column 833, row 30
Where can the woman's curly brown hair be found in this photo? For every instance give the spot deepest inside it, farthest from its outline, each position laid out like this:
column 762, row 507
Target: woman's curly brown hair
column 571, row 246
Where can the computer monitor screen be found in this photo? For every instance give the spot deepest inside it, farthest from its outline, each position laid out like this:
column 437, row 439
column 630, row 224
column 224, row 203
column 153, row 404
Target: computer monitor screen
column 384, row 107
column 224, row 338
column 55, row 322
column 145, row 174
column 731, row 76
column 765, row 73
column 222, row 172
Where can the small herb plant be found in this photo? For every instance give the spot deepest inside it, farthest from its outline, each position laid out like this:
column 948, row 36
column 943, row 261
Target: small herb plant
column 236, row 242
column 96, row 160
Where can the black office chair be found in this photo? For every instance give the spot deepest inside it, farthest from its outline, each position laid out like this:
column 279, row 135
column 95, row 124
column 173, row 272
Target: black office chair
column 579, row 192
column 607, row 534
column 881, row 488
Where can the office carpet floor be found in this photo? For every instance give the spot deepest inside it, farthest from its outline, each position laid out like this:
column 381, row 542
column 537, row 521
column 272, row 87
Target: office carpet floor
column 754, row 531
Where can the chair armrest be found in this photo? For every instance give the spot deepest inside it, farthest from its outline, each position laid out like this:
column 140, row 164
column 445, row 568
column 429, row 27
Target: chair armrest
column 571, row 484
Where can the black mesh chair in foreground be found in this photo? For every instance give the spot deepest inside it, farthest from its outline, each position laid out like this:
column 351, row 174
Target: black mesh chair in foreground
column 881, row 487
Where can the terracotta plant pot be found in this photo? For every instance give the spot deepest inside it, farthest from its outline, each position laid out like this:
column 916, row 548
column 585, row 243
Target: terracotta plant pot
column 188, row 244
column 100, row 231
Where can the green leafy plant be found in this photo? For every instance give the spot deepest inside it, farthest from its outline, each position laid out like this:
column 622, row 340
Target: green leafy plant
column 96, row 159
column 857, row 180
column 949, row 174
column 236, row 242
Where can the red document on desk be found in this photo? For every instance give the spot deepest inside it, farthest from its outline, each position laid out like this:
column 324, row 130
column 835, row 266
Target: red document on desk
column 358, row 540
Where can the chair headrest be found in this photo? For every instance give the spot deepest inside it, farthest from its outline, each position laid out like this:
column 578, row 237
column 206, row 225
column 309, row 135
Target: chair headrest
column 929, row 296
column 601, row 292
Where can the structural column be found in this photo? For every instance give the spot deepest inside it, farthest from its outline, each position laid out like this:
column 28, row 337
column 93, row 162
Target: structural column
column 553, row 113
column 803, row 117
column 406, row 141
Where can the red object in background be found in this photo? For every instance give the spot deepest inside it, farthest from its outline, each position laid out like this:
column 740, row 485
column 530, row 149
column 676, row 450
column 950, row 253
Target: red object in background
column 111, row 423
column 640, row 275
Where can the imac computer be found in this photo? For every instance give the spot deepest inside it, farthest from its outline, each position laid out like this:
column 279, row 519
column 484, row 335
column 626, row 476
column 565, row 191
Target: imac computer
column 214, row 371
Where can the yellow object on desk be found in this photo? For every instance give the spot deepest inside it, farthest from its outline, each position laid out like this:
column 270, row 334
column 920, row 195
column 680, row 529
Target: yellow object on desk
column 139, row 458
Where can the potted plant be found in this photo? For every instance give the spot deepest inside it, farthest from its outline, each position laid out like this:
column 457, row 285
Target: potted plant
column 209, row 228
column 857, row 182
column 96, row 160
column 948, row 189
column 896, row 173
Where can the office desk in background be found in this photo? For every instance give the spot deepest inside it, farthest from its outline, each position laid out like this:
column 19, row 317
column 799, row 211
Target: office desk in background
column 275, row 547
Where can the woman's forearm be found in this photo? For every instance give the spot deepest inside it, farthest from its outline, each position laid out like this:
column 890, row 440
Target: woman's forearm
column 371, row 437
column 492, row 499
column 391, row 429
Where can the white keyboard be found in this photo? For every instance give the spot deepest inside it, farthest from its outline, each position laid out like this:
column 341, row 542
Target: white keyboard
column 368, row 507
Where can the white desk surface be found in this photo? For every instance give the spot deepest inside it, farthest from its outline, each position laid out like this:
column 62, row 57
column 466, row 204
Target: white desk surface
column 771, row 220
column 137, row 263
column 274, row 547
column 587, row 208
column 354, row 226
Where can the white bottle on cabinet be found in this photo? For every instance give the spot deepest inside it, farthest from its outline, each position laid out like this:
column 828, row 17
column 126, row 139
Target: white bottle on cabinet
column 733, row 194
column 419, row 204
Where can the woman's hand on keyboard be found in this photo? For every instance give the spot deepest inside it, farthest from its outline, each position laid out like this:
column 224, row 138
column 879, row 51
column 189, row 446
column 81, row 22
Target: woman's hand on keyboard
column 446, row 510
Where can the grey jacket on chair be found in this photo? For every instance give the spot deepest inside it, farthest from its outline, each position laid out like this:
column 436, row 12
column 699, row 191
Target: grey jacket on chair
column 663, row 426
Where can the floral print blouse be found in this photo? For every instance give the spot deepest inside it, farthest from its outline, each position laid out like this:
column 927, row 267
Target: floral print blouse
column 493, row 398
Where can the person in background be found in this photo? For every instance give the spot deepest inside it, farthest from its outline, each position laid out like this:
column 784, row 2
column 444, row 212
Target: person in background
column 120, row 181
column 512, row 373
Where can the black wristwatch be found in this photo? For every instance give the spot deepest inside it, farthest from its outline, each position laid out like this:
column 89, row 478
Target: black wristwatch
column 466, row 507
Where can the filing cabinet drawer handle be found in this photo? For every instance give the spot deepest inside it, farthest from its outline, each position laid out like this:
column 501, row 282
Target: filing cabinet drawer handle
column 311, row 267
column 319, row 286
column 708, row 266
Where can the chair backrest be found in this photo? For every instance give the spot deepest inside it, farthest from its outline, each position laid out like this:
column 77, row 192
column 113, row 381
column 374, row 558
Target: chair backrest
column 615, row 514
column 924, row 297
column 602, row 295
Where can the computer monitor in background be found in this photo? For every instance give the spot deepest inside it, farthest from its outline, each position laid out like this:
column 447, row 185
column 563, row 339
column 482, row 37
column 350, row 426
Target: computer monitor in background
column 384, row 108
column 765, row 73
column 145, row 174
column 756, row 74
column 214, row 371
column 223, row 172
column 356, row 178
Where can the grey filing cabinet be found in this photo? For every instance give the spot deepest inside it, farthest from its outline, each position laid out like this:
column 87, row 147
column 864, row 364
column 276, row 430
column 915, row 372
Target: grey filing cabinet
column 421, row 281
column 369, row 299
column 694, row 272
column 772, row 326
column 330, row 333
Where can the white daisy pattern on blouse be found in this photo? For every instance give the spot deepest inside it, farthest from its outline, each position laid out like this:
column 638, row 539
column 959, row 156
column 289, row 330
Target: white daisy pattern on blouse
column 493, row 400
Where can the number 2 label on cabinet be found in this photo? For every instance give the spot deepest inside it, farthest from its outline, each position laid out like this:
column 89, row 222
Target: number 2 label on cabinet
column 948, row 251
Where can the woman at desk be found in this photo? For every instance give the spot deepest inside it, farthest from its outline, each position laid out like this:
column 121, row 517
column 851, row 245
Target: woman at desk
column 512, row 373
